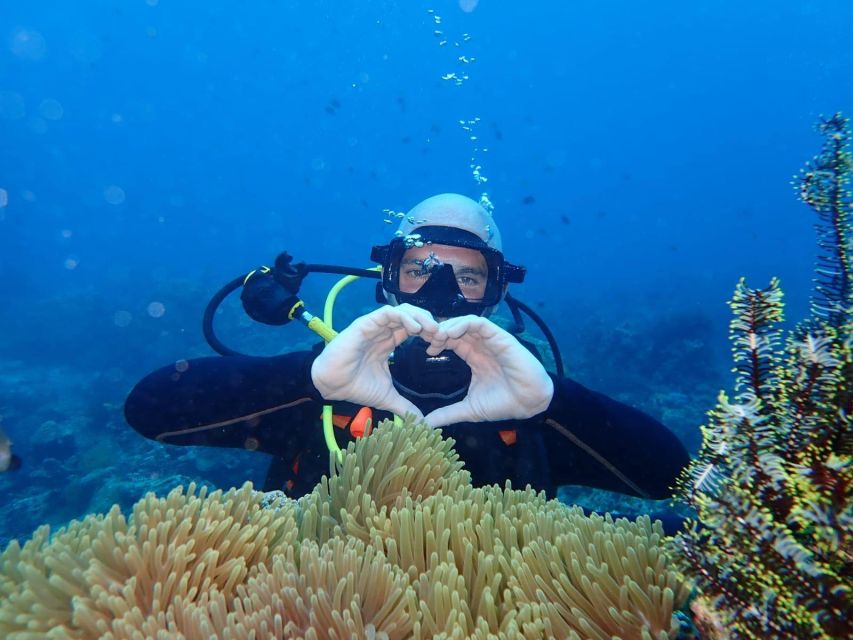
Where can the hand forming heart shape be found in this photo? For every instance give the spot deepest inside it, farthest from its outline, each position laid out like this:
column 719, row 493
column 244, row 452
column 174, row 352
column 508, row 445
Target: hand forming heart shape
column 507, row 381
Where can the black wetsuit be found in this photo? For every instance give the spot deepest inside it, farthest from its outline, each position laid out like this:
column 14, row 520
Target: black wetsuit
column 271, row 405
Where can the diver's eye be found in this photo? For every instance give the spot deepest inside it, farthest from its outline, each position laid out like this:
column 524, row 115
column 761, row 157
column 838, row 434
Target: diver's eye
column 467, row 281
column 416, row 273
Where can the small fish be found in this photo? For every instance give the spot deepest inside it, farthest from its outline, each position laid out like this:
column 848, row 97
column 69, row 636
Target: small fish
column 8, row 460
column 332, row 107
column 528, row 200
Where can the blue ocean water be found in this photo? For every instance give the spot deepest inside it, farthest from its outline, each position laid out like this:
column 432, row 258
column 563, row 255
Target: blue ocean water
column 638, row 156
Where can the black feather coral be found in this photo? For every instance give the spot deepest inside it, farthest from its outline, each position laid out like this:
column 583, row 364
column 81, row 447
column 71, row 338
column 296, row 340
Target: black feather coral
column 824, row 185
column 770, row 551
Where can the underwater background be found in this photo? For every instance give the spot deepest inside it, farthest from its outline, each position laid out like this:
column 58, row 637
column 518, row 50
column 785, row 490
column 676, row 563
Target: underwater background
column 638, row 156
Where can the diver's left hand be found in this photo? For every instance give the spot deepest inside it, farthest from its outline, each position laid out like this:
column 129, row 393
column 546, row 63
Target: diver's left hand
column 507, row 381
column 354, row 366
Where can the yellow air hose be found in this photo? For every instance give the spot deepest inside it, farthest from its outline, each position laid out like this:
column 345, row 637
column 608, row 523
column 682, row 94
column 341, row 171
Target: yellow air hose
column 325, row 329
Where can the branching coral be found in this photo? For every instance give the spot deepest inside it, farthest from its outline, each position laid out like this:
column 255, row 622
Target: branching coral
column 773, row 482
column 395, row 543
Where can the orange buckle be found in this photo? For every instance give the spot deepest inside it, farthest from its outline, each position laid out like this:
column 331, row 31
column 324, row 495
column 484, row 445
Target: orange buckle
column 362, row 424
column 509, row 436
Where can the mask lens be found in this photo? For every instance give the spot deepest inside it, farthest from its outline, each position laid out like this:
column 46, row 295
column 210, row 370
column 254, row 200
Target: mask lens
column 462, row 270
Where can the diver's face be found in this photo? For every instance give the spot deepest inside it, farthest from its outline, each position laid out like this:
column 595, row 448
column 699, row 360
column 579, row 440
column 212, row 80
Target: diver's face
column 469, row 268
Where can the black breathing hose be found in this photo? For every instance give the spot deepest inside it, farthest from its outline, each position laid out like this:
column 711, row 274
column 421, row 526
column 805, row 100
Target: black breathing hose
column 210, row 310
column 552, row 342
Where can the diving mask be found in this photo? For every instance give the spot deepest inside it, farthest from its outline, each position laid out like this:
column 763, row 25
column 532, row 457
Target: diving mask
column 443, row 289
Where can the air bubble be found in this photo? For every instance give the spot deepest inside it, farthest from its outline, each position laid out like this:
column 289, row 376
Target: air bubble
column 51, row 109
column 122, row 318
column 27, row 44
column 156, row 309
column 114, row 194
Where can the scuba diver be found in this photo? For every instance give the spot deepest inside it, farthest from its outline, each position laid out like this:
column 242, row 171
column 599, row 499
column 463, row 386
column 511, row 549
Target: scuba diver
column 441, row 277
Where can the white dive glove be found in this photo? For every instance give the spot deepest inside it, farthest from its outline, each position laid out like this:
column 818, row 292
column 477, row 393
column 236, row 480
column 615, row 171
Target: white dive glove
column 507, row 381
column 354, row 366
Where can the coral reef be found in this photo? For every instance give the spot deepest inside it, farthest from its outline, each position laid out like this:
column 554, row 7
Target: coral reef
column 80, row 457
column 394, row 543
column 773, row 481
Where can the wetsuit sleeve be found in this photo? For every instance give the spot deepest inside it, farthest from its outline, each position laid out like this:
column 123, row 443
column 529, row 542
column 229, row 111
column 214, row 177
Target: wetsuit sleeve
column 596, row 441
column 223, row 401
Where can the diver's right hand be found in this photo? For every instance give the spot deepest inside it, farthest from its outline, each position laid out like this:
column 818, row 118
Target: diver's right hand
column 354, row 365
